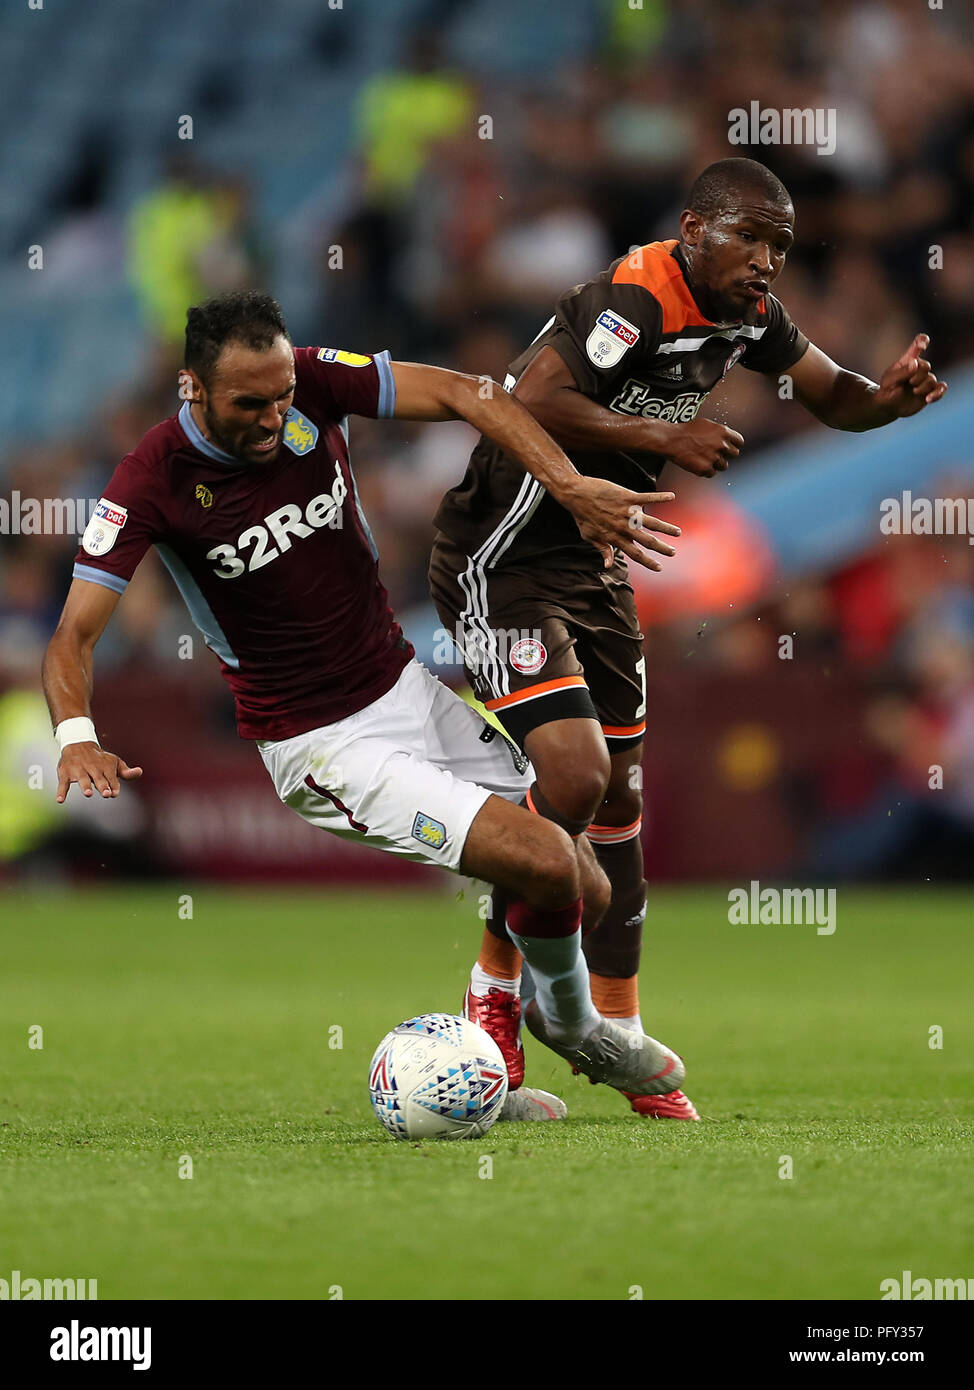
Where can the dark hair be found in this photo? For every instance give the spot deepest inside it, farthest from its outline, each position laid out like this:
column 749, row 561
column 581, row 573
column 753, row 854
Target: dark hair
column 716, row 188
column 244, row 316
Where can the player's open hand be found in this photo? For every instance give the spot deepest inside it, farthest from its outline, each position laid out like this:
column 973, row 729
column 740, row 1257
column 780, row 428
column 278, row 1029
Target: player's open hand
column 909, row 385
column 703, row 447
column 613, row 518
column 93, row 769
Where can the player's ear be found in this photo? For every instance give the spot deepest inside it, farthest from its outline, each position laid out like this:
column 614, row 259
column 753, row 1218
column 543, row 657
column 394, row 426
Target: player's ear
column 691, row 227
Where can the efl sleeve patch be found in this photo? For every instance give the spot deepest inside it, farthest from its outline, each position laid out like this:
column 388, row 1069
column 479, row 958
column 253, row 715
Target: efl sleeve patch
column 610, row 339
column 102, row 530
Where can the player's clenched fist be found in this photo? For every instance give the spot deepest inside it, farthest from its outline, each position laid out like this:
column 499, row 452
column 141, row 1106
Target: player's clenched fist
column 612, row 518
column 93, row 769
column 703, row 447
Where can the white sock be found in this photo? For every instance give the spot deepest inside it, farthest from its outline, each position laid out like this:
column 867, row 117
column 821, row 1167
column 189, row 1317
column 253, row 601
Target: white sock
column 528, row 987
column 481, row 982
column 634, row 1024
column 528, row 991
column 561, row 983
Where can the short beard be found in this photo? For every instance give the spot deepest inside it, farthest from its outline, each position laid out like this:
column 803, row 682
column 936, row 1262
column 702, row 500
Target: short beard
column 217, row 438
column 718, row 308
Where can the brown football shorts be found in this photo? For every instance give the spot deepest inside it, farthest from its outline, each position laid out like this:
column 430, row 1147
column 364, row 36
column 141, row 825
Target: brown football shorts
column 540, row 644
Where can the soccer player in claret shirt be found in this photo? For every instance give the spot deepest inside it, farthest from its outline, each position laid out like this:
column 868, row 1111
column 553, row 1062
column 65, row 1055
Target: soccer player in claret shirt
column 248, row 496
column 617, row 376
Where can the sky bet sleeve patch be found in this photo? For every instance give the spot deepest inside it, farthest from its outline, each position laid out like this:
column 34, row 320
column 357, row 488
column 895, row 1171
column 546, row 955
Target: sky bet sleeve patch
column 611, row 337
column 102, row 530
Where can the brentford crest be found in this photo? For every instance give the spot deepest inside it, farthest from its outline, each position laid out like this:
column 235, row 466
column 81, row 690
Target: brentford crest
column 528, row 656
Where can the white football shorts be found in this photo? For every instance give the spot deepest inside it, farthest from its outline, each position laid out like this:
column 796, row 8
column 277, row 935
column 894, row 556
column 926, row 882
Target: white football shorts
column 407, row 774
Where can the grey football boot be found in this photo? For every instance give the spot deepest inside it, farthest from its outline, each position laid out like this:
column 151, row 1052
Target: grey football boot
column 609, row 1053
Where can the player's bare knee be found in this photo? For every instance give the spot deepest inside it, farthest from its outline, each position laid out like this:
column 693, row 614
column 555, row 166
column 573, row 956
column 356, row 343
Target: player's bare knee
column 575, row 792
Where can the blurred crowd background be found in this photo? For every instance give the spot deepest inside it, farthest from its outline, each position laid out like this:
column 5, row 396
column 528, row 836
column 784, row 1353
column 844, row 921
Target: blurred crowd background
column 428, row 176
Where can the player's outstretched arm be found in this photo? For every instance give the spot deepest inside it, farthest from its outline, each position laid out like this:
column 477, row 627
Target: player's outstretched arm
column 607, row 515
column 551, row 393
column 67, row 676
column 847, row 401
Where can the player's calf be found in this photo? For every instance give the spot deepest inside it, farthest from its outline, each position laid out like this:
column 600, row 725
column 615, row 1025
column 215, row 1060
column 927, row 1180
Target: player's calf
column 537, row 862
column 596, row 888
column 613, row 950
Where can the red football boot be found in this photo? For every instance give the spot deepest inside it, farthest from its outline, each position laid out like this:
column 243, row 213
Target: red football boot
column 673, row 1106
column 499, row 1013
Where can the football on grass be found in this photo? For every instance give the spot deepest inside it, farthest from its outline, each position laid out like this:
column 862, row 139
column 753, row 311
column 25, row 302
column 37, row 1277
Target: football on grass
column 437, row 1077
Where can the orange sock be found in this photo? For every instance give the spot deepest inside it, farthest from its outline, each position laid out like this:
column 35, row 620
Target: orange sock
column 615, row 998
column 499, row 958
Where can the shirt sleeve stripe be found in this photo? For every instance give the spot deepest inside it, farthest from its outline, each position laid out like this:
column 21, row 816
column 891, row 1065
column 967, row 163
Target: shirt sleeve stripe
column 108, row 581
column 387, row 386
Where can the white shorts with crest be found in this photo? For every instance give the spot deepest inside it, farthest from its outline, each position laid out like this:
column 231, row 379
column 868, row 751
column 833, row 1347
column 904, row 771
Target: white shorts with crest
column 407, row 774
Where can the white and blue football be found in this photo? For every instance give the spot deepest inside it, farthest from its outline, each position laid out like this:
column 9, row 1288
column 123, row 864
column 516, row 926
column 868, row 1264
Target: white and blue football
column 437, row 1077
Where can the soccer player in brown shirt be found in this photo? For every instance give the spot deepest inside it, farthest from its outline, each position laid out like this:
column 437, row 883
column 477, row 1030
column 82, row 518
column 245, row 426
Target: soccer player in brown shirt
column 545, row 620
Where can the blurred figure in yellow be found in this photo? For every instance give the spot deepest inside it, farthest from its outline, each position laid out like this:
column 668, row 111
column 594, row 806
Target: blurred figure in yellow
column 188, row 239
column 403, row 114
column 26, row 765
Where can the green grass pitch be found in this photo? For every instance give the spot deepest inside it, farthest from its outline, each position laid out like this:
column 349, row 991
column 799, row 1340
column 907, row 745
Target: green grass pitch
column 210, row 1037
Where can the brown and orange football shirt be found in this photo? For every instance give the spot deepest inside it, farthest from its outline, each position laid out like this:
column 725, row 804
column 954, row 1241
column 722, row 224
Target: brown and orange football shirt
column 635, row 342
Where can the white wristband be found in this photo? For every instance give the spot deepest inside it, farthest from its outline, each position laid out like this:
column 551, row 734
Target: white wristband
column 78, row 730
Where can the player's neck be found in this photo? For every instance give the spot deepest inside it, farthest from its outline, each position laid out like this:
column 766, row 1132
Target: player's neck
column 701, row 297
column 196, row 411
